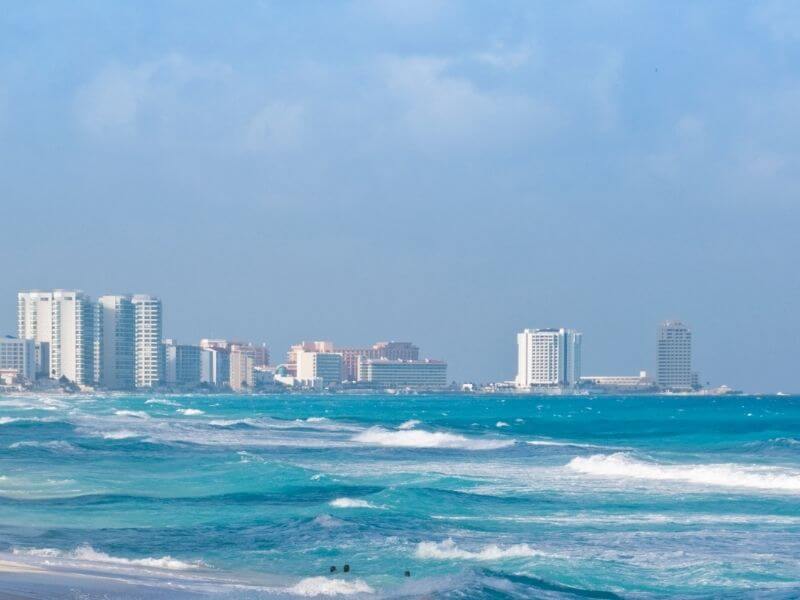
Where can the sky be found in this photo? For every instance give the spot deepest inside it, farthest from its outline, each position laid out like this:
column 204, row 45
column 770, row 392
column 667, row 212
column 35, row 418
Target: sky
column 447, row 173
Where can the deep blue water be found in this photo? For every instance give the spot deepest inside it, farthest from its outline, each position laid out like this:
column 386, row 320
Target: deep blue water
column 477, row 496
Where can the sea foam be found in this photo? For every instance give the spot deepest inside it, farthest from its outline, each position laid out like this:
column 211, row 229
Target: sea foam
column 623, row 465
column 136, row 414
column 417, row 438
column 324, row 586
column 89, row 554
column 191, row 412
column 448, row 550
column 410, row 424
column 351, row 503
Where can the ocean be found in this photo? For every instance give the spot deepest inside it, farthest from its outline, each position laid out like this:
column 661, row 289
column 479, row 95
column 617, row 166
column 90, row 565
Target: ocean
column 436, row 496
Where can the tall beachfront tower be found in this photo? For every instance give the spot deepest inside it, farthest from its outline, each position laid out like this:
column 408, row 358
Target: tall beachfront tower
column 548, row 357
column 35, row 322
column 674, row 357
column 148, row 348
column 116, row 351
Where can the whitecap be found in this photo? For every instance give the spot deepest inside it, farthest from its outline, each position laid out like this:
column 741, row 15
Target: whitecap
column 122, row 434
column 50, row 445
column 191, row 412
column 7, row 420
column 502, row 424
column 89, row 554
column 162, row 401
column 448, row 550
column 137, row 414
column 416, row 438
column 351, row 503
column 623, row 465
column 410, row 424
column 316, row 419
column 324, row 586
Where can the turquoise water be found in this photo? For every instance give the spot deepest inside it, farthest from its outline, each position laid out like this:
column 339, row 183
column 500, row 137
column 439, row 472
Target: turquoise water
column 476, row 496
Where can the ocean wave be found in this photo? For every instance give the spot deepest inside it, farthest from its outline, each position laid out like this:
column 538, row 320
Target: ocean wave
column 351, row 503
column 448, row 550
column 502, row 424
column 191, row 412
column 621, row 464
column 417, row 438
column 122, row 434
column 49, row 445
column 410, row 424
column 325, row 586
column 565, row 444
column 89, row 554
column 327, row 521
column 7, row 420
column 315, row 419
column 136, row 414
column 162, row 401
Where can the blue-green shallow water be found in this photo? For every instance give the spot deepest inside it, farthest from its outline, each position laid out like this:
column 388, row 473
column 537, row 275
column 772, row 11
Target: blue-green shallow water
column 478, row 496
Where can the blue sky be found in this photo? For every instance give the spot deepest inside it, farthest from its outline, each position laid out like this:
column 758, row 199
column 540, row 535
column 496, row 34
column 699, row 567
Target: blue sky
column 442, row 172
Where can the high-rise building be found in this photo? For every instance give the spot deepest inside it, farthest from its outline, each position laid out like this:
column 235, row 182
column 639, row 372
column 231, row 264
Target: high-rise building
column 326, row 366
column 242, row 362
column 72, row 338
column 35, row 322
column 384, row 372
column 548, row 357
column 182, row 364
column 148, row 348
column 18, row 355
column 115, row 352
column 214, row 366
column 674, row 357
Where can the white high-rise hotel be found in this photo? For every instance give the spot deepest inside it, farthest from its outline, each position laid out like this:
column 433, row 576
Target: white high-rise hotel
column 61, row 323
column 115, row 343
column 148, row 348
column 674, row 357
column 548, row 357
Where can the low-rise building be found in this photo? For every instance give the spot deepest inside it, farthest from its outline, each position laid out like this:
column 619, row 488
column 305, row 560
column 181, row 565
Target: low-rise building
column 182, row 364
column 18, row 355
column 326, row 366
column 383, row 372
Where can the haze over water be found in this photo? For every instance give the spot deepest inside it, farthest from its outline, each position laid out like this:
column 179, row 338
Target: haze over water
column 498, row 496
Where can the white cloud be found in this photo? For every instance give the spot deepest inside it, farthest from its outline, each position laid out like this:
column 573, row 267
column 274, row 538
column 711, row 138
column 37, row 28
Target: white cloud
column 440, row 107
column 120, row 98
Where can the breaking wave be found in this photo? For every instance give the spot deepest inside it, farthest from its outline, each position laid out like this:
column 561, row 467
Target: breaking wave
column 162, row 401
column 621, row 464
column 191, row 412
column 448, row 550
column 49, row 445
column 410, row 424
column 351, row 503
column 324, row 586
column 416, row 438
column 89, row 554
column 136, row 414
column 122, row 434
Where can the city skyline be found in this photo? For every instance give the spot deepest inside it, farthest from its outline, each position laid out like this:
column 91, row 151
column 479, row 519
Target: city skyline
column 470, row 171
column 118, row 342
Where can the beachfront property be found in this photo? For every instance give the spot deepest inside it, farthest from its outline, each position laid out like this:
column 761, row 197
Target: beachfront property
column 674, row 357
column 317, row 369
column 384, row 372
column 18, row 356
column 148, row 349
column 548, row 358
